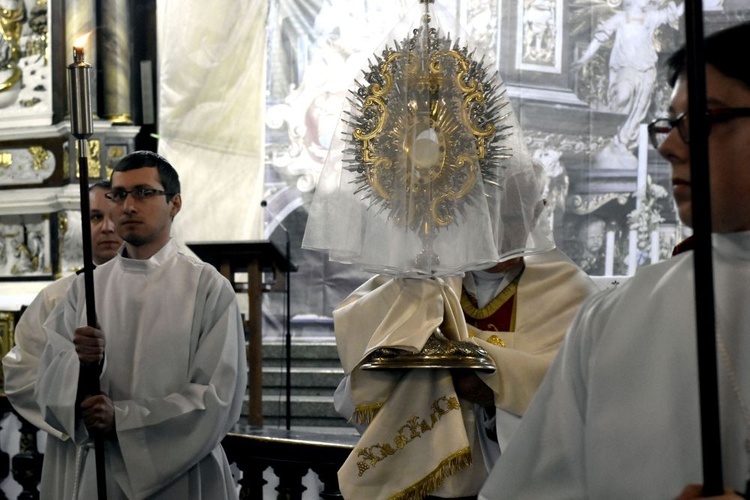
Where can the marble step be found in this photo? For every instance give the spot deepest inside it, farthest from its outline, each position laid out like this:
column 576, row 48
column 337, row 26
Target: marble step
column 304, row 380
column 315, row 373
column 303, row 354
column 306, row 410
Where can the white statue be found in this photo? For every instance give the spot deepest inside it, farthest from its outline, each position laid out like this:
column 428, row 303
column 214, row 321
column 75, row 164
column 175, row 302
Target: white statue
column 632, row 69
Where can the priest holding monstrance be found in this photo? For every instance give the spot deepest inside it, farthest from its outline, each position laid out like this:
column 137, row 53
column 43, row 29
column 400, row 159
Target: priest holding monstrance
column 436, row 193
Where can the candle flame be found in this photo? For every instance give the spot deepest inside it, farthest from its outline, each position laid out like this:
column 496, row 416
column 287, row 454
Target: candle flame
column 81, row 40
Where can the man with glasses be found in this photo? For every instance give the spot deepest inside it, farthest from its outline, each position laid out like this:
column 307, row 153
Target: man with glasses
column 618, row 414
column 171, row 348
column 20, row 364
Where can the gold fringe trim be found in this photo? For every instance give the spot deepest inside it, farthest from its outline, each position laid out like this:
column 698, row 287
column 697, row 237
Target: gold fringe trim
column 365, row 413
column 468, row 301
column 454, row 463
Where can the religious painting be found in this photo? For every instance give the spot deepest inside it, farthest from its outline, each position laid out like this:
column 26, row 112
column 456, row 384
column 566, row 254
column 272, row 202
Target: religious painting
column 25, row 69
column 27, row 250
column 480, row 20
column 539, row 35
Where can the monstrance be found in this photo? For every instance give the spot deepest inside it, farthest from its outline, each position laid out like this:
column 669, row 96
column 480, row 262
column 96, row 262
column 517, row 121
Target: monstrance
column 435, row 179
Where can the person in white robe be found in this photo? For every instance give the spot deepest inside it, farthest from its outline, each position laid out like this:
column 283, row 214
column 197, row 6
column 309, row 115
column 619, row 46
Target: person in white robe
column 617, row 415
column 21, row 362
column 171, row 348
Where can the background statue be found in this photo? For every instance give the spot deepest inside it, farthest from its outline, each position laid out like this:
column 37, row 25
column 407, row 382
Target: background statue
column 632, row 69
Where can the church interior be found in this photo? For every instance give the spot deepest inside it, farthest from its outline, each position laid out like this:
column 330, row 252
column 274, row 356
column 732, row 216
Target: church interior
column 246, row 99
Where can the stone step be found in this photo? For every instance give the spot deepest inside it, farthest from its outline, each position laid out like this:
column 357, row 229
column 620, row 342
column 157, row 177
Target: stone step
column 322, row 424
column 315, row 373
column 276, row 349
column 312, row 377
column 306, row 410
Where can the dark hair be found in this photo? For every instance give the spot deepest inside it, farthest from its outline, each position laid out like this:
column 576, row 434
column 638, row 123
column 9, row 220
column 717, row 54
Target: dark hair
column 722, row 51
column 142, row 159
column 101, row 185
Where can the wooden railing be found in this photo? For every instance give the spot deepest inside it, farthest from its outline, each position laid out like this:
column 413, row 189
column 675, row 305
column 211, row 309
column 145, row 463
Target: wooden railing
column 290, row 455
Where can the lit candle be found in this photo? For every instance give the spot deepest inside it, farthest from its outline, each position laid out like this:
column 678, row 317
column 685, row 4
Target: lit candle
column 655, row 246
column 77, row 54
column 609, row 256
column 81, row 126
column 81, row 120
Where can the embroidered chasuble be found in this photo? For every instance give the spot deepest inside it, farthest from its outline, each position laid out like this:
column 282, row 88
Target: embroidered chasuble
column 419, row 438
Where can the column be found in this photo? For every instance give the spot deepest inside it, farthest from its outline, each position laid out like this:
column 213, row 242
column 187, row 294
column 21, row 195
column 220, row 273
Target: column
column 115, row 60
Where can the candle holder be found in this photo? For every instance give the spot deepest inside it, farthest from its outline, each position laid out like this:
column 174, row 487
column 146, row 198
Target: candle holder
column 82, row 127
column 81, row 119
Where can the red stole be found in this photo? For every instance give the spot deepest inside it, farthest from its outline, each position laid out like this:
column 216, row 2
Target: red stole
column 499, row 315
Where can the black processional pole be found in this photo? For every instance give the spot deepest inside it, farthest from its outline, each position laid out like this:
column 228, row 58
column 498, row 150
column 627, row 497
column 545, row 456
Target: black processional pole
column 705, row 316
column 288, row 334
column 287, row 320
column 81, row 126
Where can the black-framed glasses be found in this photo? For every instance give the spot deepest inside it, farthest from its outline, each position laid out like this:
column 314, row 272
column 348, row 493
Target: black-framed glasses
column 659, row 129
column 138, row 193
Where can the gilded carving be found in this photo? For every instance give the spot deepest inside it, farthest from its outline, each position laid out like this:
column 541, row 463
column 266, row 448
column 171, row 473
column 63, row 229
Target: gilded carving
column 66, row 164
column 6, row 159
column 95, row 164
column 39, row 157
column 586, row 204
column 26, row 165
column 7, row 324
column 114, row 153
column 25, row 73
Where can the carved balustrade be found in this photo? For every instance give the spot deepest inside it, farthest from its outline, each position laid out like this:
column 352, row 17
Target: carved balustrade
column 289, row 454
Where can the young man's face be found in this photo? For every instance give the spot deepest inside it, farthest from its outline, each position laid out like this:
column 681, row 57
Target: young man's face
column 144, row 224
column 728, row 151
column 104, row 239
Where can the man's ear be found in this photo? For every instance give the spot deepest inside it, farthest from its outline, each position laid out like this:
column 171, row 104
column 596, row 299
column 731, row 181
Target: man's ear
column 176, row 205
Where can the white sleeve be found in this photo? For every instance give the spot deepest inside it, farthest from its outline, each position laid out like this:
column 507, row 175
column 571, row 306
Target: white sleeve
column 21, row 363
column 545, row 458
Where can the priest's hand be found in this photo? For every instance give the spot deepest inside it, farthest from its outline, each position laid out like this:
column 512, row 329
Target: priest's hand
column 696, row 491
column 89, row 343
column 98, row 414
column 470, row 387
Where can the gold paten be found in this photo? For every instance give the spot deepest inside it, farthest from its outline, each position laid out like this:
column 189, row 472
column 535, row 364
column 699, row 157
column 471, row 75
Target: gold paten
column 438, row 352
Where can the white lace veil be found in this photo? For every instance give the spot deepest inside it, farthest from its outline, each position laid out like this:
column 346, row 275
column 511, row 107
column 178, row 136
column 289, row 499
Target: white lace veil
column 428, row 173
